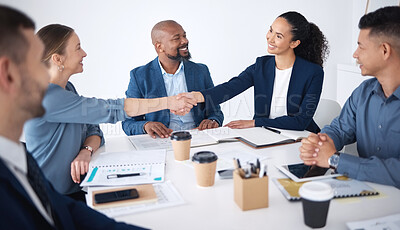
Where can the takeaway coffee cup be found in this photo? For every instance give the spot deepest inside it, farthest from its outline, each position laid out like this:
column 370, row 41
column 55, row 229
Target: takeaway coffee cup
column 205, row 164
column 315, row 197
column 181, row 145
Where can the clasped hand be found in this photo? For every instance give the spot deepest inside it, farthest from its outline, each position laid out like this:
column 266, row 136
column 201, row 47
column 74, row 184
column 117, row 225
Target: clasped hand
column 182, row 103
column 316, row 149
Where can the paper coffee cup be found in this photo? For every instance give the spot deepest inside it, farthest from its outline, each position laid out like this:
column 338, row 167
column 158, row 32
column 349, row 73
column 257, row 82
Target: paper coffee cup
column 181, row 145
column 205, row 164
column 316, row 197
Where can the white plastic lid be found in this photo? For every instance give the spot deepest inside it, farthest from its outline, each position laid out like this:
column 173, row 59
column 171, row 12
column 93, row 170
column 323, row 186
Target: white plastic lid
column 316, row 191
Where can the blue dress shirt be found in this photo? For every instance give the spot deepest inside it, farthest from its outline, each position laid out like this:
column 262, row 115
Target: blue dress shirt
column 372, row 120
column 147, row 82
column 174, row 85
column 56, row 138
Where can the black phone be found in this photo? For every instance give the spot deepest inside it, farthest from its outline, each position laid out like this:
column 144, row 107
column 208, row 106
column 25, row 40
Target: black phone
column 116, row 196
column 225, row 174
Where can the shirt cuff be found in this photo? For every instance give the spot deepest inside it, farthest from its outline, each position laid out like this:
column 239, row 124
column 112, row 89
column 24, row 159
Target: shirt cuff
column 349, row 165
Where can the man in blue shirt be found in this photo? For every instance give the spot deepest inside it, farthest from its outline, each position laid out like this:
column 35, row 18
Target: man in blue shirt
column 371, row 116
column 169, row 74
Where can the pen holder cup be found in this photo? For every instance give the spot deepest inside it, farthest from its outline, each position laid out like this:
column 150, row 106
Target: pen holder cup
column 250, row 193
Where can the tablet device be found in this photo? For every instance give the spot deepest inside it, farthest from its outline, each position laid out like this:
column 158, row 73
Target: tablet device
column 301, row 172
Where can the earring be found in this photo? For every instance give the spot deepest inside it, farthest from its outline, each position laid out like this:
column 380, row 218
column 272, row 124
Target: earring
column 60, row 68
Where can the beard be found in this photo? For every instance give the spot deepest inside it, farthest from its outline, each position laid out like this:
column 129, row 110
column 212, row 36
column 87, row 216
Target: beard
column 179, row 57
column 33, row 97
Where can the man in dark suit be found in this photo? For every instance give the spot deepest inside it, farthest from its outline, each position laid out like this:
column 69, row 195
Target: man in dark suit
column 169, row 74
column 27, row 199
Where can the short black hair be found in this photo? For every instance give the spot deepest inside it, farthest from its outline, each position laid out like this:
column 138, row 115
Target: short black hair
column 384, row 21
column 12, row 42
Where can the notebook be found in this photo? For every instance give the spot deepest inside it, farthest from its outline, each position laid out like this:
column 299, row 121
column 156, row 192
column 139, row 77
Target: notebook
column 149, row 164
column 146, row 195
column 342, row 186
column 261, row 137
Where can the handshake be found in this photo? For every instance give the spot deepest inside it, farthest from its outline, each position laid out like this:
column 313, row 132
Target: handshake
column 182, row 103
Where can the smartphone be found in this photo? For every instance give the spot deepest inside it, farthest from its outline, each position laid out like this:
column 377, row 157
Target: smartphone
column 116, row 196
column 225, row 174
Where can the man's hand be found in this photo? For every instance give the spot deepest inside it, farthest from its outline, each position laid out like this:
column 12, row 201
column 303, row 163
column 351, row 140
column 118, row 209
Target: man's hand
column 181, row 104
column 240, row 124
column 208, row 124
column 316, row 150
column 80, row 165
column 153, row 127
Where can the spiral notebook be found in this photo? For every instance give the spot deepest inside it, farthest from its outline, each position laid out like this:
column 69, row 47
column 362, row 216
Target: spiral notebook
column 126, row 168
column 342, row 186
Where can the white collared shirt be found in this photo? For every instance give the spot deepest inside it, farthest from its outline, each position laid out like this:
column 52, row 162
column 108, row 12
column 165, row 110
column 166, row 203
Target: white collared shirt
column 176, row 84
column 279, row 95
column 14, row 158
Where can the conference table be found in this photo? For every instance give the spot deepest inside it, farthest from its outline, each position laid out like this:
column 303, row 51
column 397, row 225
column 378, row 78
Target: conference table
column 214, row 207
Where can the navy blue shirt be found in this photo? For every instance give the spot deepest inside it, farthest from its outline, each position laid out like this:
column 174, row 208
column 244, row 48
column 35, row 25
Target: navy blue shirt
column 372, row 120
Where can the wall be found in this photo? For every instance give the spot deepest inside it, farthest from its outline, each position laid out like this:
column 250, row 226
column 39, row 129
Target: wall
column 227, row 35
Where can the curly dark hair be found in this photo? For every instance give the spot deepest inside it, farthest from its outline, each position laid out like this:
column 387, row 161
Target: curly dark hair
column 313, row 44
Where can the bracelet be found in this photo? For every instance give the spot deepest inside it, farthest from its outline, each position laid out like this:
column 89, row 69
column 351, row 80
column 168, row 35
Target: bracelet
column 87, row 147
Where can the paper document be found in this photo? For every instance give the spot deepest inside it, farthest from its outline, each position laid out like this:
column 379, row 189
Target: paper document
column 199, row 138
column 391, row 222
column 255, row 137
column 167, row 196
column 342, row 186
column 149, row 164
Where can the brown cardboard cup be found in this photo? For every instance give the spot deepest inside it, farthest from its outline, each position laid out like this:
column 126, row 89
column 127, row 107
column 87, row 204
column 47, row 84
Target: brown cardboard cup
column 205, row 164
column 181, row 145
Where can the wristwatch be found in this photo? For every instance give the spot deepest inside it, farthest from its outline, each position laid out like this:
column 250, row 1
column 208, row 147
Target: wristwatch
column 87, row 147
column 334, row 160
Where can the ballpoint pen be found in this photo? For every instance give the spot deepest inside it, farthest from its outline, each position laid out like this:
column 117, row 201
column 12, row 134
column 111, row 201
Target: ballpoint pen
column 112, row 176
column 273, row 130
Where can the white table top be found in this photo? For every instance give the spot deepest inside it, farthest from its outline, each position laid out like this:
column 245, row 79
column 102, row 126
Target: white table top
column 214, row 207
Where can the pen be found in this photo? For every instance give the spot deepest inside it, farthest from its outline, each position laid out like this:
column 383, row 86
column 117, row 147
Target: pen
column 112, row 176
column 261, row 174
column 273, row 130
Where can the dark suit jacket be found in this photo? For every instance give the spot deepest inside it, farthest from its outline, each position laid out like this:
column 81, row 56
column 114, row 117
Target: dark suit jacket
column 147, row 82
column 18, row 211
column 302, row 99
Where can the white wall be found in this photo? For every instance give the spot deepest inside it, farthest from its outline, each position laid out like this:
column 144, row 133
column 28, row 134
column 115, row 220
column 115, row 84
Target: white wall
column 226, row 35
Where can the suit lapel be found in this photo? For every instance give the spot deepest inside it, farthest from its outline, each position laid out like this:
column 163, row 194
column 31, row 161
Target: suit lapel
column 270, row 67
column 294, row 79
column 156, row 76
column 189, row 76
column 7, row 176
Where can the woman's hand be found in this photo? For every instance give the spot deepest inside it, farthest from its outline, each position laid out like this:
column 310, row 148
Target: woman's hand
column 240, row 124
column 80, row 165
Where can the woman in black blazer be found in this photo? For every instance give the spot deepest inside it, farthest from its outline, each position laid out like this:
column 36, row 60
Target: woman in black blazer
column 287, row 85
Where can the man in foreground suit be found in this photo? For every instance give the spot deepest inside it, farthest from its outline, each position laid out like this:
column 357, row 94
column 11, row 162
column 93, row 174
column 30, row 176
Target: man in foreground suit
column 169, row 74
column 27, row 199
column 371, row 115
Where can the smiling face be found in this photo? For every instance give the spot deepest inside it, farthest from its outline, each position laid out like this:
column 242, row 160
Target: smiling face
column 367, row 53
column 279, row 37
column 174, row 43
column 73, row 55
